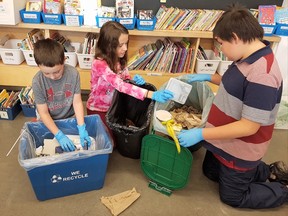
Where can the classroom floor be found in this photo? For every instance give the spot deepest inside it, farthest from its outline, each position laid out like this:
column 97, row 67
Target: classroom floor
column 198, row 198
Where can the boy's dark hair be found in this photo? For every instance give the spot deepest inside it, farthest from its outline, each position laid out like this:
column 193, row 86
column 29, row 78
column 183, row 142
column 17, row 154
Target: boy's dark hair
column 49, row 53
column 238, row 20
column 108, row 42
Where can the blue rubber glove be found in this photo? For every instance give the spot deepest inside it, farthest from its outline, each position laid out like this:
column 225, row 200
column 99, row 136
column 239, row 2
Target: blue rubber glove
column 190, row 137
column 65, row 143
column 162, row 96
column 198, row 77
column 139, row 80
column 84, row 137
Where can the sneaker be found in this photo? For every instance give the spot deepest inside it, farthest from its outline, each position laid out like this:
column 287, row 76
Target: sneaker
column 279, row 172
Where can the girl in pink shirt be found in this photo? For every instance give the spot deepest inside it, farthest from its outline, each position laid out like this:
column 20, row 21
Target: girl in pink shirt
column 109, row 70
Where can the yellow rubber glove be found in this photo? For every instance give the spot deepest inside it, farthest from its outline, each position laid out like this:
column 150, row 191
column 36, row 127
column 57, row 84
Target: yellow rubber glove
column 171, row 132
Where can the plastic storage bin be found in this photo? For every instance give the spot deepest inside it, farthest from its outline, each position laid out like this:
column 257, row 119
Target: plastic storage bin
column 67, row 173
column 29, row 110
column 85, row 60
column 129, row 23
column 52, row 18
column 71, row 57
column 101, row 20
column 72, row 20
column 207, row 66
column 9, row 11
column 281, row 29
column 30, row 16
column 11, row 52
column 146, row 25
column 223, row 66
column 166, row 169
column 29, row 57
column 125, row 110
column 10, row 113
column 268, row 29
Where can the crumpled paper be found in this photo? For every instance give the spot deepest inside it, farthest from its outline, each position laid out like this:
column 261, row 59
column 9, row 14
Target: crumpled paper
column 119, row 202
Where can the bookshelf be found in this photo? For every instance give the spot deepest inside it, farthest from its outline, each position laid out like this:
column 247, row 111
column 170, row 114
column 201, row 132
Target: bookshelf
column 21, row 75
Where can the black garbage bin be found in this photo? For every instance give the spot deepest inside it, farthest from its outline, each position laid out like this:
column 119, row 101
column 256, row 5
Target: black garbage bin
column 129, row 120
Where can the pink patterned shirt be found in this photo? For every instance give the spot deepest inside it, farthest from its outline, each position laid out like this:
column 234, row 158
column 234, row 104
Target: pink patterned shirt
column 103, row 83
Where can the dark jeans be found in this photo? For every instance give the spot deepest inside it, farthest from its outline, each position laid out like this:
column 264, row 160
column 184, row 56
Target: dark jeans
column 245, row 189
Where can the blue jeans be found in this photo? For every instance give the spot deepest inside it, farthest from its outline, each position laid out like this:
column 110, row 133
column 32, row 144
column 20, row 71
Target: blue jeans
column 245, row 189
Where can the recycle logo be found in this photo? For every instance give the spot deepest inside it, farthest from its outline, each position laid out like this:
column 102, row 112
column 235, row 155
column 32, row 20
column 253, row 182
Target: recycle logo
column 56, row 179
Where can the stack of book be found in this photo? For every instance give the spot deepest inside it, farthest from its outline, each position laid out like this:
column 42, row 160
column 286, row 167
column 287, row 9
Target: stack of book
column 164, row 56
column 32, row 37
column 8, row 100
column 174, row 18
column 26, row 95
column 89, row 44
column 64, row 41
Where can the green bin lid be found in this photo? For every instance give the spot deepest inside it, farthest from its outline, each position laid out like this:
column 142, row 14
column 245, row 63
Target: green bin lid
column 162, row 164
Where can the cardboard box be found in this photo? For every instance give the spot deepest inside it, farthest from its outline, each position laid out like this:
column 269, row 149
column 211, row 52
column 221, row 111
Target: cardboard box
column 68, row 173
column 9, row 11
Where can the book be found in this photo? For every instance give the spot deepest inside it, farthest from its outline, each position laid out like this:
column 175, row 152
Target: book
column 105, row 11
column 157, row 60
column 181, row 13
column 281, row 15
column 183, row 22
column 163, row 61
column 172, row 16
column 135, row 58
column 143, row 64
column 4, row 95
column 145, row 14
column 191, row 19
column 159, row 46
column 125, row 8
column 145, row 51
column 179, row 21
column 165, row 18
column 171, row 61
column 32, row 37
column 160, row 14
column 266, row 14
column 73, row 7
column 35, row 5
column 52, row 7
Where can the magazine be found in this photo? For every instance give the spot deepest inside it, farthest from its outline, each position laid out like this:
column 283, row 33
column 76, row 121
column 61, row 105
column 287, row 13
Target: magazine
column 125, row 8
column 145, row 14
